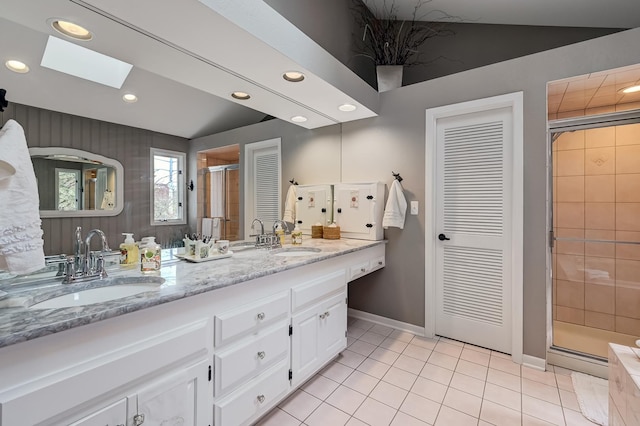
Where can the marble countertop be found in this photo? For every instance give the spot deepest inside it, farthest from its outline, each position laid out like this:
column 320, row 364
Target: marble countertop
column 19, row 323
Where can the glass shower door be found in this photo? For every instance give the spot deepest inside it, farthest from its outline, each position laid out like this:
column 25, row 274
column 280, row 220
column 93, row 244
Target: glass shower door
column 596, row 237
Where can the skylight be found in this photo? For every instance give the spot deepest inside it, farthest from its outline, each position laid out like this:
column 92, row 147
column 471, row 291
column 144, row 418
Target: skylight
column 84, row 63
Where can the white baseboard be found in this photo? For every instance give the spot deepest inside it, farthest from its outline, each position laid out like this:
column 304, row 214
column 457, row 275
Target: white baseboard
column 534, row 362
column 579, row 363
column 377, row 319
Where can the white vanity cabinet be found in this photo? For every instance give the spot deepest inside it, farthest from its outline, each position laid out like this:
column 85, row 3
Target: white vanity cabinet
column 358, row 209
column 319, row 324
column 114, row 414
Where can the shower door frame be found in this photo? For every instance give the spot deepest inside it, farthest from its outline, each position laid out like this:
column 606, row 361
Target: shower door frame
column 564, row 357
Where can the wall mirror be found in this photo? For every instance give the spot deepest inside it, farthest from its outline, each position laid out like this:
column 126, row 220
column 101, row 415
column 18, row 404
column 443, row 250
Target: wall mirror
column 76, row 183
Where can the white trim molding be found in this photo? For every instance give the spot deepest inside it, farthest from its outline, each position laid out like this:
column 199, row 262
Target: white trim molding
column 534, row 362
column 514, row 101
column 395, row 324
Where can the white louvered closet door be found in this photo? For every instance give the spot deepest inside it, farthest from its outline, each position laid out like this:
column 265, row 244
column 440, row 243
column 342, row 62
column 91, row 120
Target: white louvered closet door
column 473, row 183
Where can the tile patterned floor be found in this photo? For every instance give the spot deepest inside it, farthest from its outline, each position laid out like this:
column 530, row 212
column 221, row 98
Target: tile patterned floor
column 390, row 377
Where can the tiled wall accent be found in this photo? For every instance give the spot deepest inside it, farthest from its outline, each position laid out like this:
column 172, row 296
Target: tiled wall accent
column 596, row 187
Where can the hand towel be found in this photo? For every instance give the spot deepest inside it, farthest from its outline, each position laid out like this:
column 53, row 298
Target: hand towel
column 21, row 244
column 290, row 205
column 396, row 207
column 207, row 226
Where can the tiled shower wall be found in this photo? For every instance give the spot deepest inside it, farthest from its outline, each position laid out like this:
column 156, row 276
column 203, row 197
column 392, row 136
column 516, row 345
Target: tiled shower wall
column 596, row 187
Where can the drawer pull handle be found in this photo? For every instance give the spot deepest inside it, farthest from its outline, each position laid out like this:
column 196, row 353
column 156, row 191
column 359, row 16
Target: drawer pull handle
column 362, row 270
column 380, row 262
column 261, row 354
column 323, row 316
column 260, row 399
column 260, row 316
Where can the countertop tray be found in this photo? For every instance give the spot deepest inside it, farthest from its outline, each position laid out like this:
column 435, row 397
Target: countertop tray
column 190, row 258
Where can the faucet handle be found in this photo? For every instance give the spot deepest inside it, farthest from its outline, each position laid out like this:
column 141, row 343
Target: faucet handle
column 69, row 269
column 100, row 267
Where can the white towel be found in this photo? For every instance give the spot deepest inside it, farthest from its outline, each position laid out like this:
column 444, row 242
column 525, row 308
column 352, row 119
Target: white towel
column 290, row 204
column 21, row 241
column 207, row 226
column 396, row 208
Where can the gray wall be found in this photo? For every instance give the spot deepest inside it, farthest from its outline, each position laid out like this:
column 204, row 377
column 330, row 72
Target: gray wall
column 398, row 140
column 130, row 146
column 330, row 23
column 309, row 156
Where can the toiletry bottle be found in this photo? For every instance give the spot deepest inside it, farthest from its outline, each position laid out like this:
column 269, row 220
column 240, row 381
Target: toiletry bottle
column 149, row 256
column 280, row 234
column 296, row 235
column 128, row 250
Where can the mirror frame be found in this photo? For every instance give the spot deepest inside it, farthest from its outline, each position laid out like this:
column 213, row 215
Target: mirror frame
column 119, row 191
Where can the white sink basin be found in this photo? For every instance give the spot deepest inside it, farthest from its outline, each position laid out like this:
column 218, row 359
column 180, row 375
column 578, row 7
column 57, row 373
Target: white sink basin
column 118, row 289
column 296, row 251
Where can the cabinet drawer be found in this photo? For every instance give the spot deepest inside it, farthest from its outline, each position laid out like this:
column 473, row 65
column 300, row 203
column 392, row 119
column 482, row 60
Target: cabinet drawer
column 114, row 414
column 306, row 294
column 250, row 318
column 377, row 263
column 250, row 401
column 358, row 270
column 242, row 362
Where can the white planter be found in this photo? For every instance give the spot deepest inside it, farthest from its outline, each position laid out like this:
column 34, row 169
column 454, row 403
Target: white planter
column 389, row 77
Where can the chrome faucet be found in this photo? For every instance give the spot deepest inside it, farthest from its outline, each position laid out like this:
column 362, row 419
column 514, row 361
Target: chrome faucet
column 261, row 225
column 84, row 266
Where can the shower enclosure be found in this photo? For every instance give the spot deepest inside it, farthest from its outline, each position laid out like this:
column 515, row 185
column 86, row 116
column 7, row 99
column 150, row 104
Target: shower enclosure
column 595, row 238
column 222, row 200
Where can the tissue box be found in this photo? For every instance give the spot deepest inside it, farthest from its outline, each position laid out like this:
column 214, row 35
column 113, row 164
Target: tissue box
column 316, row 231
column 331, row 233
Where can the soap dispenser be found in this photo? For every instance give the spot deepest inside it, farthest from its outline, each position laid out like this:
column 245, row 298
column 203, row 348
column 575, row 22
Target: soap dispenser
column 149, row 255
column 128, row 250
column 296, row 234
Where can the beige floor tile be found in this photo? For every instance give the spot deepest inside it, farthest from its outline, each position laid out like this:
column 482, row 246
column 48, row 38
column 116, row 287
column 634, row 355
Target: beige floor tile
column 462, row 401
column 476, row 357
column 569, row 400
column 362, row 348
column 361, row 382
column 355, row 422
column 320, row 387
column 540, row 391
column 499, row 415
column 394, row 344
column 388, row 394
column 429, row 389
column 503, row 379
column 437, row 374
column 503, row 396
column 468, row 384
column 402, row 419
column 402, row 379
column 355, row 332
column 476, row 371
column 443, row 360
column 417, row 352
column 505, row 365
column 336, row 372
column 384, row 355
column 326, row 414
column 544, row 410
column 346, row 399
column 564, row 382
column 382, row 330
column 375, row 413
column 403, row 336
column 477, row 348
column 575, row 418
column 528, row 420
column 448, row 349
column 449, row 417
column 452, row 342
column 546, row 377
column 363, row 324
column 409, row 364
column 300, row 404
column 278, row 417
column 420, row 408
column 371, row 337
column 374, row 368
column 424, row 342
column 350, row 358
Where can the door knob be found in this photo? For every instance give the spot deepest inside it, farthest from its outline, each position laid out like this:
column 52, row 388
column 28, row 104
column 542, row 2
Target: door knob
column 443, row 237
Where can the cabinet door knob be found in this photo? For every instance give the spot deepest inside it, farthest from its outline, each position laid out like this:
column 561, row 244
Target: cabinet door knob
column 326, row 314
column 380, row 262
column 261, row 354
column 138, row 419
column 260, row 398
column 322, row 316
column 363, row 270
column 260, row 316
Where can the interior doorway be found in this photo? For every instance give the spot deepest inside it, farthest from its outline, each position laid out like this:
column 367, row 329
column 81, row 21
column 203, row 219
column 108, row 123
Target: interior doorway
column 219, row 192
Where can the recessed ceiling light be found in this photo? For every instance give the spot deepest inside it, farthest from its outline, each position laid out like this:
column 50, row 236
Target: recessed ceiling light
column 632, row 89
column 298, row 119
column 347, row 107
column 243, row 96
column 129, row 98
column 293, row 76
column 17, row 66
column 72, row 30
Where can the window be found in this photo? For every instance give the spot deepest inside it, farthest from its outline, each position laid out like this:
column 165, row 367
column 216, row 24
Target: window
column 67, row 189
column 167, row 187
